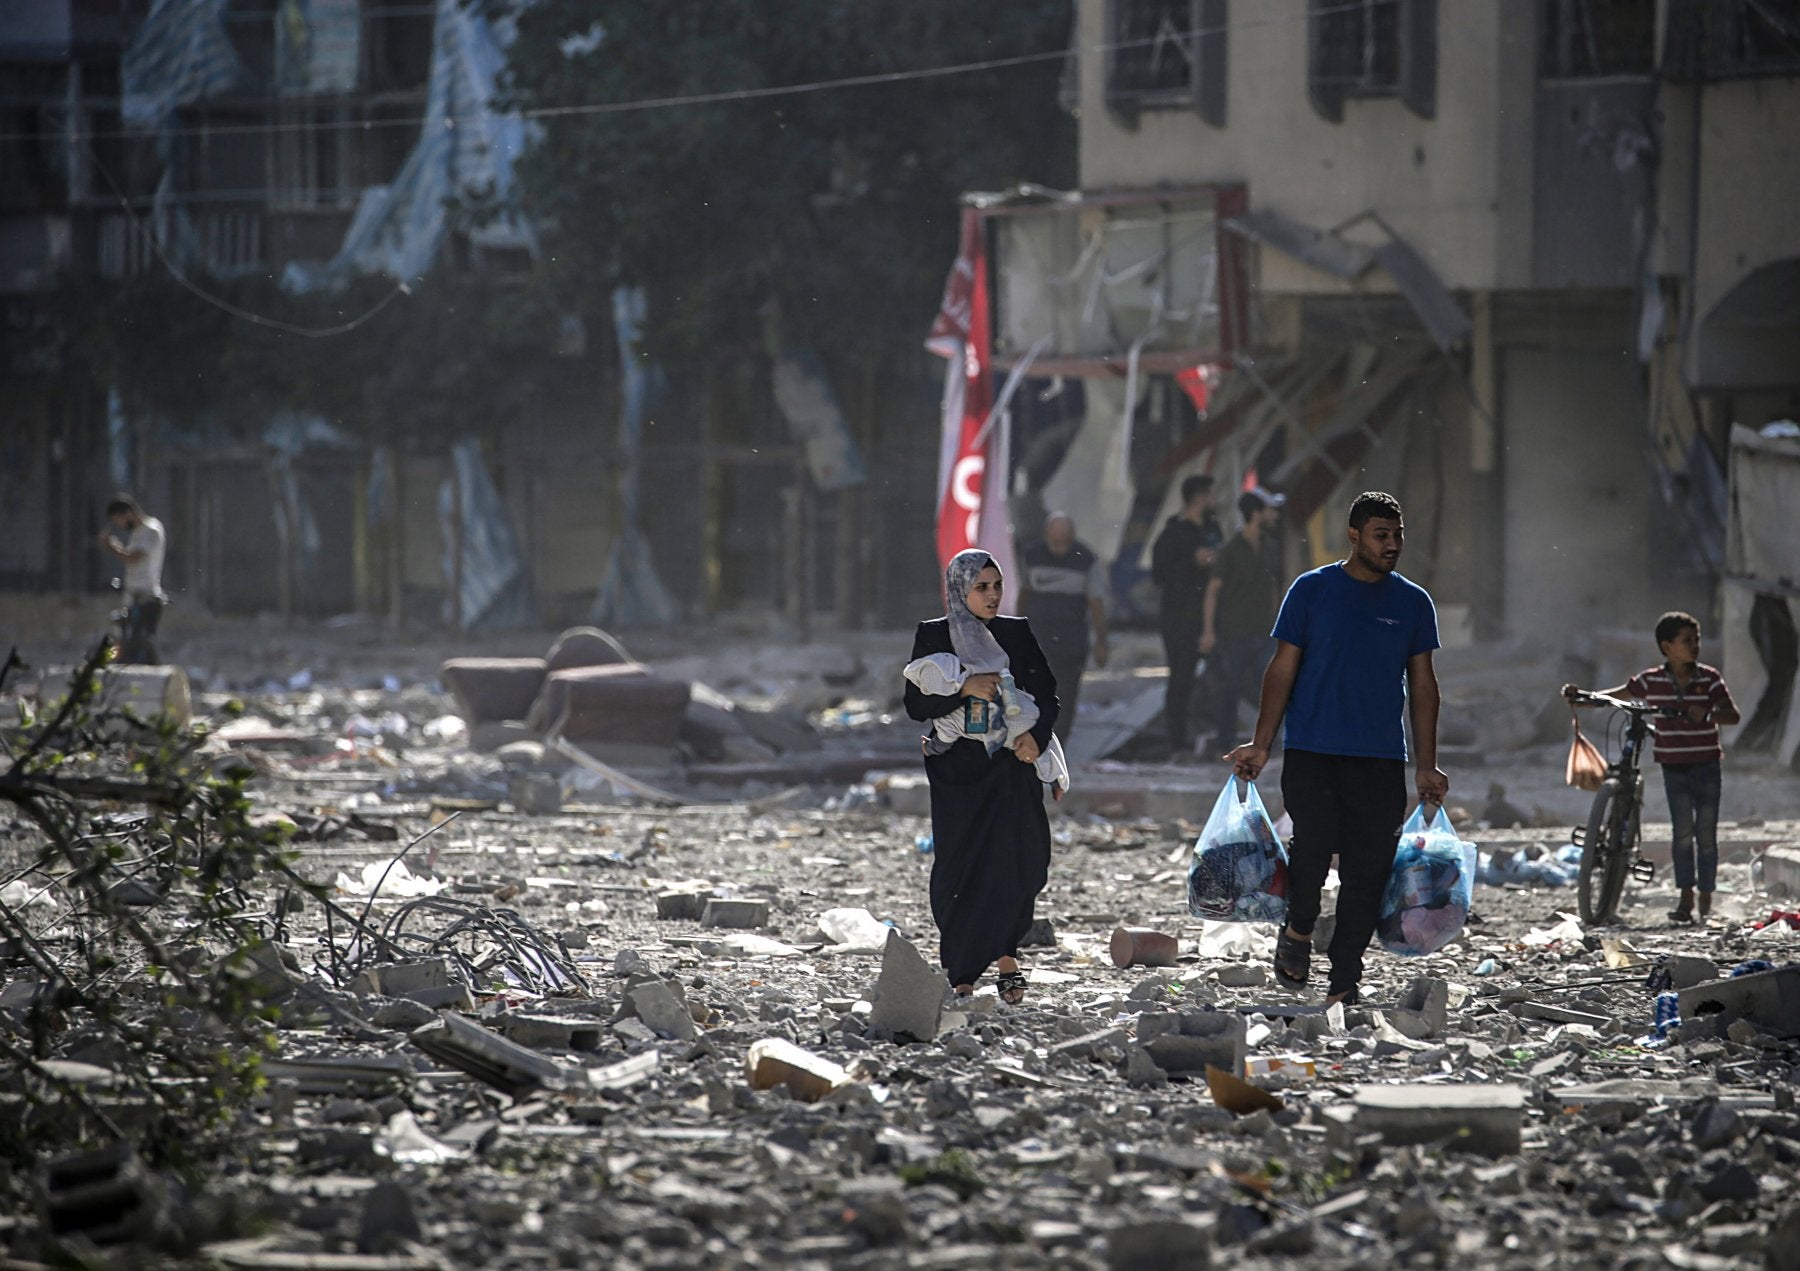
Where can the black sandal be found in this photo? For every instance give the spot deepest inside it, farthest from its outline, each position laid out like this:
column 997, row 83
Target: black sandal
column 1008, row 982
column 1293, row 961
column 1681, row 917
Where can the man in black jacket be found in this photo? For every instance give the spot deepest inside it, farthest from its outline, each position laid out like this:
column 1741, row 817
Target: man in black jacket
column 1181, row 566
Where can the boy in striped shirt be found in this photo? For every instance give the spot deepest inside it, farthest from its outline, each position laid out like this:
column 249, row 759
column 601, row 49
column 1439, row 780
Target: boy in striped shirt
column 1687, row 747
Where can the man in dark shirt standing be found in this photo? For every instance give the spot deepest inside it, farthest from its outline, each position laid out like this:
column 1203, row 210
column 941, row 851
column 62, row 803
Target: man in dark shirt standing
column 1240, row 611
column 1065, row 597
column 1181, row 565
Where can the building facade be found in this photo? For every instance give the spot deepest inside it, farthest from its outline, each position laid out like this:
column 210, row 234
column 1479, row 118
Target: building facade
column 1524, row 261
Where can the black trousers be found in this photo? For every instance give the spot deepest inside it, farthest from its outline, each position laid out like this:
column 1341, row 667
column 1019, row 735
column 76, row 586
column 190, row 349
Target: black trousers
column 1067, row 654
column 138, row 642
column 1236, row 671
column 1181, row 647
column 1351, row 808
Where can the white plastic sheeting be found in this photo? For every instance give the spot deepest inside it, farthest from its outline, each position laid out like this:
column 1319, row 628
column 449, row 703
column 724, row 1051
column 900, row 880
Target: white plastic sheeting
column 180, row 55
column 488, row 586
column 1086, row 282
column 631, row 593
column 466, row 148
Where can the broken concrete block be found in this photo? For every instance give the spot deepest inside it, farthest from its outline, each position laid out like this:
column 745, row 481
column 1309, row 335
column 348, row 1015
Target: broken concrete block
column 536, row 793
column 470, row 1048
column 1186, row 1043
column 808, row 1077
column 1243, row 975
column 1471, row 1118
column 493, row 690
column 585, row 646
column 452, row 997
column 665, row 1014
column 680, row 904
column 401, row 979
column 911, row 993
column 1768, row 999
column 1423, row 1010
column 1141, row 1070
column 1159, row 1244
column 720, row 912
column 154, row 694
column 552, row 1032
column 1142, row 946
column 1685, row 971
column 611, row 704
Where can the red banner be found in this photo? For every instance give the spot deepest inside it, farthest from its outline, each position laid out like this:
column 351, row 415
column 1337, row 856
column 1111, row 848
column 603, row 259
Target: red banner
column 961, row 333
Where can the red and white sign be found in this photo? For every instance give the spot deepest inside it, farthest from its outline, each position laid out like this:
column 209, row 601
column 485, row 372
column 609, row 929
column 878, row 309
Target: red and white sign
column 972, row 508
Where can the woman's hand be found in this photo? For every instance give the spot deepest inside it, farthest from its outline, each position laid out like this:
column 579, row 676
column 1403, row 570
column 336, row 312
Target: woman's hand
column 1026, row 748
column 986, row 686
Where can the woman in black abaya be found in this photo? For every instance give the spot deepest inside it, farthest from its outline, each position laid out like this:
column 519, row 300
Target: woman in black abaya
column 990, row 832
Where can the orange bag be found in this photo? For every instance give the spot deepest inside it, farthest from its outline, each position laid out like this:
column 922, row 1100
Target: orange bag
column 1586, row 768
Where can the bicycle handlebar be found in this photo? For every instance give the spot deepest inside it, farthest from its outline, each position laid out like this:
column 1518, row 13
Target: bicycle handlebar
column 1632, row 706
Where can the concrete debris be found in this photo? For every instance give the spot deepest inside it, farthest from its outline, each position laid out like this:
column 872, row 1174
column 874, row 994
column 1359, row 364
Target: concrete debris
column 648, row 1028
column 1769, row 999
column 1472, row 1118
column 1188, row 1043
column 909, row 996
column 720, row 912
column 505, row 1065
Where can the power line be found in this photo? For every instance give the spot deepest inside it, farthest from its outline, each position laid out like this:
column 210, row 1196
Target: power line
column 219, row 302
column 675, row 101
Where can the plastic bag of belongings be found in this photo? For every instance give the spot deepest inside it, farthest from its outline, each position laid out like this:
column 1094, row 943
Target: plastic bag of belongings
column 1430, row 889
column 1239, row 872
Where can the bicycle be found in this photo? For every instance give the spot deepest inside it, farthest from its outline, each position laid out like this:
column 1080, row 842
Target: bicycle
column 1610, row 841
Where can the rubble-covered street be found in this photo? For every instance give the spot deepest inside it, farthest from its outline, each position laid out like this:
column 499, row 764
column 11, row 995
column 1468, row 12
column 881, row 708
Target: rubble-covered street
column 710, row 1031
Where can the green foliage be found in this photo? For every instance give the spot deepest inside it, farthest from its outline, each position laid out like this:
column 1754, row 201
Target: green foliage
column 833, row 212
column 135, row 838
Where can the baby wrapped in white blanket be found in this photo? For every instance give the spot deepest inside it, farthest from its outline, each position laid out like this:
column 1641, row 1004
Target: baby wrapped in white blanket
column 942, row 675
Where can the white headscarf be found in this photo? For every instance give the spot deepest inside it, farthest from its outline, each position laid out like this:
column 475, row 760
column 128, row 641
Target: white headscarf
column 975, row 645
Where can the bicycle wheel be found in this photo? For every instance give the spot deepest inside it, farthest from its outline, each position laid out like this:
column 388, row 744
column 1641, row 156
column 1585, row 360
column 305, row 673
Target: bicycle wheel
column 1605, row 853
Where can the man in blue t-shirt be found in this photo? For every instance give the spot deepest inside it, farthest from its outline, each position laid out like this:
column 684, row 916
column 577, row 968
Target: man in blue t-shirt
column 1353, row 650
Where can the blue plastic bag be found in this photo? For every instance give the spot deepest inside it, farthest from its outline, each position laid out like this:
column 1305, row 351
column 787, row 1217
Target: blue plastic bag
column 1239, row 872
column 1431, row 888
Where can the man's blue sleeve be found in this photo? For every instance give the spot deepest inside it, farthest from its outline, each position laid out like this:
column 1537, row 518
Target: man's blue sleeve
column 1425, row 629
column 1291, row 622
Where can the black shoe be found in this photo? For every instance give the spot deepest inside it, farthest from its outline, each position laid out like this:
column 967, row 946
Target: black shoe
column 1293, row 961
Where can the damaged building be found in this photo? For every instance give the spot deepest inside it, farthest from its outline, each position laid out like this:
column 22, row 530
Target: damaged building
column 1522, row 263
column 321, row 142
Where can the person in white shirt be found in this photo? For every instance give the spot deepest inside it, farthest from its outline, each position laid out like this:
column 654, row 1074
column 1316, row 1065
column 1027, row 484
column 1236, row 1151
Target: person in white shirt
column 141, row 549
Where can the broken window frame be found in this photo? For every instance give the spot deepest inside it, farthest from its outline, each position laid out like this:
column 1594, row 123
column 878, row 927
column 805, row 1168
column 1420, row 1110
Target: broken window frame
column 1732, row 39
column 1410, row 44
column 1200, row 42
column 1579, row 40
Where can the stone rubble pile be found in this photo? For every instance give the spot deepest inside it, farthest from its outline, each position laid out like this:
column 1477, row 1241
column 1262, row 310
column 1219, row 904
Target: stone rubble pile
column 714, row 1034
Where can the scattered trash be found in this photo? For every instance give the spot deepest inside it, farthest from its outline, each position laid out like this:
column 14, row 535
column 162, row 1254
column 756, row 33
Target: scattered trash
column 390, row 879
column 1238, row 1096
column 1142, row 946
